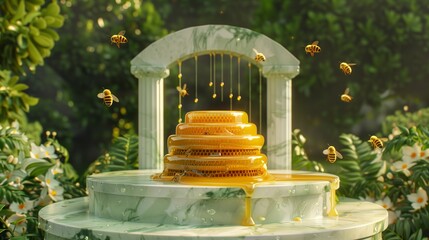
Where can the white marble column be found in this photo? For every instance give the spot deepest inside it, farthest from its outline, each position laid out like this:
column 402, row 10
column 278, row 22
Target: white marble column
column 151, row 116
column 279, row 120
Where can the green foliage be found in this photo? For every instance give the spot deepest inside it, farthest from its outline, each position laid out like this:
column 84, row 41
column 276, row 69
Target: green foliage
column 32, row 176
column 27, row 33
column 300, row 159
column 359, row 169
column 90, row 64
column 122, row 155
column 14, row 101
column 392, row 177
column 386, row 39
column 406, row 119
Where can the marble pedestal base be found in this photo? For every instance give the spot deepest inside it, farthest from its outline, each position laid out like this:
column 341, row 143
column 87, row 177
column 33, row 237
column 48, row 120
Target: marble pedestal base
column 70, row 220
column 101, row 217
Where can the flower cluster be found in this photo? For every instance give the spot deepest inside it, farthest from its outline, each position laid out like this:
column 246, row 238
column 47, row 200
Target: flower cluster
column 396, row 177
column 31, row 176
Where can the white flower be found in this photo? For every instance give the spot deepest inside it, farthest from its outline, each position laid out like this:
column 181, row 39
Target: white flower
column 411, row 154
column 18, row 223
column 56, row 193
column 49, row 151
column 403, row 166
column 42, row 151
column 56, row 169
column 22, row 208
column 386, row 203
column 424, row 154
column 419, row 199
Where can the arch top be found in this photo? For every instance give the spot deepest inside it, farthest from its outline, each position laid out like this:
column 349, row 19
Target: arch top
column 186, row 43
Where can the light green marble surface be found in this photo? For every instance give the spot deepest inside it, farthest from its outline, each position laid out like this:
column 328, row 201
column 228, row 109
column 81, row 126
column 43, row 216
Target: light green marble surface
column 72, row 219
column 132, row 196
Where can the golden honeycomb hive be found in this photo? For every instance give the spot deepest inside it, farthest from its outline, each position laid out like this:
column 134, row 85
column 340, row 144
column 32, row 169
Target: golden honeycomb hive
column 215, row 144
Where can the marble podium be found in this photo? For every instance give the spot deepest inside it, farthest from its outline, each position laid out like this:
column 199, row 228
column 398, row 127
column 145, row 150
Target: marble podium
column 129, row 205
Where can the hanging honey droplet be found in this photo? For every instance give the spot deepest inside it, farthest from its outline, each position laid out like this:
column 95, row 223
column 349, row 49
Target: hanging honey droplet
column 231, row 95
column 210, row 84
column 180, row 75
column 179, row 106
column 180, row 120
column 195, row 100
column 214, row 95
column 238, row 98
column 222, row 84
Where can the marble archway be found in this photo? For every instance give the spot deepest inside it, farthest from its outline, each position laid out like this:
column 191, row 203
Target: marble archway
column 152, row 65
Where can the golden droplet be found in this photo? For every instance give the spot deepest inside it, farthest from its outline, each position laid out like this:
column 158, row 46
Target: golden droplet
column 222, row 84
column 214, row 95
column 180, row 75
column 297, row 219
column 210, row 84
column 238, row 98
column 179, row 106
column 195, row 100
column 231, row 95
column 180, row 120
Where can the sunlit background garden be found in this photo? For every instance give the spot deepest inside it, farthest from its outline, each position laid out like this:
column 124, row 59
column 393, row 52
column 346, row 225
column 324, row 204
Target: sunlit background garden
column 56, row 56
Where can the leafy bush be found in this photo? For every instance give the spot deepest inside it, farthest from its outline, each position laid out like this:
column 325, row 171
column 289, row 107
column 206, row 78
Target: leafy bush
column 395, row 177
column 122, row 155
column 31, row 177
column 28, row 33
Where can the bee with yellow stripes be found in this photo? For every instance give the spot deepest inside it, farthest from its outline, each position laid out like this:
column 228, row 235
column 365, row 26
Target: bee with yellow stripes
column 346, row 67
column 345, row 97
column 107, row 97
column 313, row 48
column 119, row 38
column 259, row 56
column 332, row 154
column 377, row 142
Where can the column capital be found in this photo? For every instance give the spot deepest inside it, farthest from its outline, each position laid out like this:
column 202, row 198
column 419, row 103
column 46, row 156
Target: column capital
column 142, row 72
column 276, row 71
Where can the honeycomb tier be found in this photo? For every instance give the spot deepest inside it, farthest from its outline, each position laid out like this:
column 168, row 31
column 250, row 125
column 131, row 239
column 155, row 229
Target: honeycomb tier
column 216, row 117
column 191, row 142
column 219, row 166
column 215, row 144
column 216, row 129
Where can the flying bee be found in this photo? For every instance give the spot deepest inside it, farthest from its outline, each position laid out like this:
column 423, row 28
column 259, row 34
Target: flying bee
column 332, row 154
column 345, row 97
column 182, row 91
column 346, row 67
column 119, row 38
column 377, row 142
column 312, row 48
column 259, row 56
column 107, row 97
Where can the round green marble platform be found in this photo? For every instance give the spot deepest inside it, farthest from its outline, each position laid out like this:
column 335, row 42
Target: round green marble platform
column 111, row 194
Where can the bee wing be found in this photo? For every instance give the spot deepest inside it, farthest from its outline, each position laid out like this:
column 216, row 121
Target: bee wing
column 184, row 86
column 255, row 51
column 115, row 98
column 315, row 43
column 347, row 91
column 100, row 95
column 339, row 155
column 179, row 88
column 351, row 64
column 384, row 139
column 325, row 151
column 121, row 32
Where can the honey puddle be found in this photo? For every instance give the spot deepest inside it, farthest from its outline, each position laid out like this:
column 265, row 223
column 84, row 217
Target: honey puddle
column 248, row 184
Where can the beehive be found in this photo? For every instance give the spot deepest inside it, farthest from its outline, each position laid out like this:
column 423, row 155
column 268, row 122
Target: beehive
column 215, row 144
